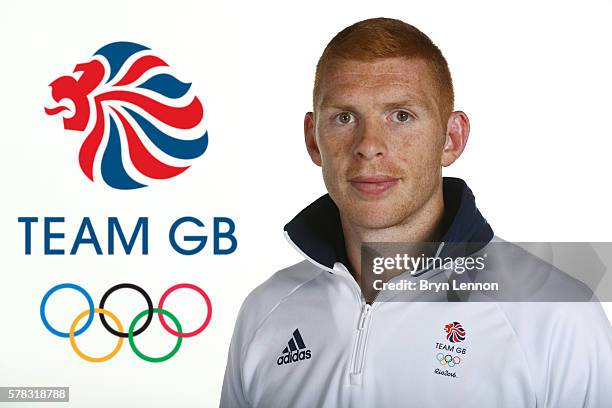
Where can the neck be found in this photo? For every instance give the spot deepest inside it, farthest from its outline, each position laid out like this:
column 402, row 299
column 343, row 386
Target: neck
column 423, row 225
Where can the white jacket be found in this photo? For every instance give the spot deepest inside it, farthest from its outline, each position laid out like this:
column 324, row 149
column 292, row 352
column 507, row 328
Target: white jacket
column 306, row 338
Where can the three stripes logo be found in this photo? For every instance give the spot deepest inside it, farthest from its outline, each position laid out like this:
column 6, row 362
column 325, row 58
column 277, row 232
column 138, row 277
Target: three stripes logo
column 295, row 350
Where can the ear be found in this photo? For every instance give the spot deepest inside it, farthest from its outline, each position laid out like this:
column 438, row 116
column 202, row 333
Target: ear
column 457, row 132
column 310, row 139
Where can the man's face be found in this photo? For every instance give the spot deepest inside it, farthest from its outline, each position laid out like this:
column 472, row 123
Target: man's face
column 379, row 138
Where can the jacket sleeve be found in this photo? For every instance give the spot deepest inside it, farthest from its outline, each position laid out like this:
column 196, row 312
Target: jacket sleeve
column 232, row 393
column 579, row 364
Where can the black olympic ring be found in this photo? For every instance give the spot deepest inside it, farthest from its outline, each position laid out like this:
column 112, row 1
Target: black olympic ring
column 149, row 309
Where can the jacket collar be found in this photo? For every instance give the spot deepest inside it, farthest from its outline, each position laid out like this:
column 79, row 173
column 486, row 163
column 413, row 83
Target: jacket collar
column 317, row 231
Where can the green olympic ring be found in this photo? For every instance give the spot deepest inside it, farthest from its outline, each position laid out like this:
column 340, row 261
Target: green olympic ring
column 177, row 346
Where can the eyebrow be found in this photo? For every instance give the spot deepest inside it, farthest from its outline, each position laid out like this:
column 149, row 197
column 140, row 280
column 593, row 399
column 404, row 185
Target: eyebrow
column 386, row 105
column 404, row 102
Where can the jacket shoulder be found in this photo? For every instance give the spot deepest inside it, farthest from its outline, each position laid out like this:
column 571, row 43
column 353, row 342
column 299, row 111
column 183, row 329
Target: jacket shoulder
column 266, row 297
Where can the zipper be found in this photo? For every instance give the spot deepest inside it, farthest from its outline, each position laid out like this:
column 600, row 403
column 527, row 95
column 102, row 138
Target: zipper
column 358, row 357
column 363, row 324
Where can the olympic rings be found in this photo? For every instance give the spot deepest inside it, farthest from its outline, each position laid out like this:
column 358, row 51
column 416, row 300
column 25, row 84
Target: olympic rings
column 448, row 359
column 118, row 332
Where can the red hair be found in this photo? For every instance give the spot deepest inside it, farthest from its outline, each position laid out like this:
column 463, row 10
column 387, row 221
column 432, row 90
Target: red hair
column 377, row 38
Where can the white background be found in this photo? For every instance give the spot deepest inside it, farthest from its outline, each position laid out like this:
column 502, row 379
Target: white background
column 534, row 77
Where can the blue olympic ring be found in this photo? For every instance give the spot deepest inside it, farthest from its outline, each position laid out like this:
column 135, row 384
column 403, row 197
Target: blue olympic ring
column 54, row 289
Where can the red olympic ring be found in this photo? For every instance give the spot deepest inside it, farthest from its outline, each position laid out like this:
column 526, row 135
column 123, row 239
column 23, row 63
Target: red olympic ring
column 208, row 305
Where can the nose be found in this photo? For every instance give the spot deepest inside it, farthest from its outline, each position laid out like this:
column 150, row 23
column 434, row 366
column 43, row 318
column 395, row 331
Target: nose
column 370, row 141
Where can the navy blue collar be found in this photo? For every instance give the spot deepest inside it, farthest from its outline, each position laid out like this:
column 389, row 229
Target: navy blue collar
column 317, row 230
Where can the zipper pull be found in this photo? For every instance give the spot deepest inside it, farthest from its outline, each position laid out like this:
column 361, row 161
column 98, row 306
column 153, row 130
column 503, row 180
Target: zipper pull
column 365, row 310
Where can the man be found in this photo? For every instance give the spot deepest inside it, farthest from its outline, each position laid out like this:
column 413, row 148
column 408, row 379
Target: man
column 382, row 128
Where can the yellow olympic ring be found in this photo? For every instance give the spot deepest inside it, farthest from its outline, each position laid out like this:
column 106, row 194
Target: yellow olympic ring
column 85, row 356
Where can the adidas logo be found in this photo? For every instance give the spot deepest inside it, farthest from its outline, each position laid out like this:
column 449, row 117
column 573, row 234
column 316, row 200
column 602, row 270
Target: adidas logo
column 295, row 350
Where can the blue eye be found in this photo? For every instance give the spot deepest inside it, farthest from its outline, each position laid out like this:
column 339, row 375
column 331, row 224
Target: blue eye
column 401, row 116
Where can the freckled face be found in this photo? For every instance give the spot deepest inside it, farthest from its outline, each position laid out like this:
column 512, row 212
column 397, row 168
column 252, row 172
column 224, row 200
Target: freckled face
column 379, row 138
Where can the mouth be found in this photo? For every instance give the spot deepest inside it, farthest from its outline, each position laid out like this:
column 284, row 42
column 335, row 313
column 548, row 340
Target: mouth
column 56, row 110
column 59, row 105
column 373, row 185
